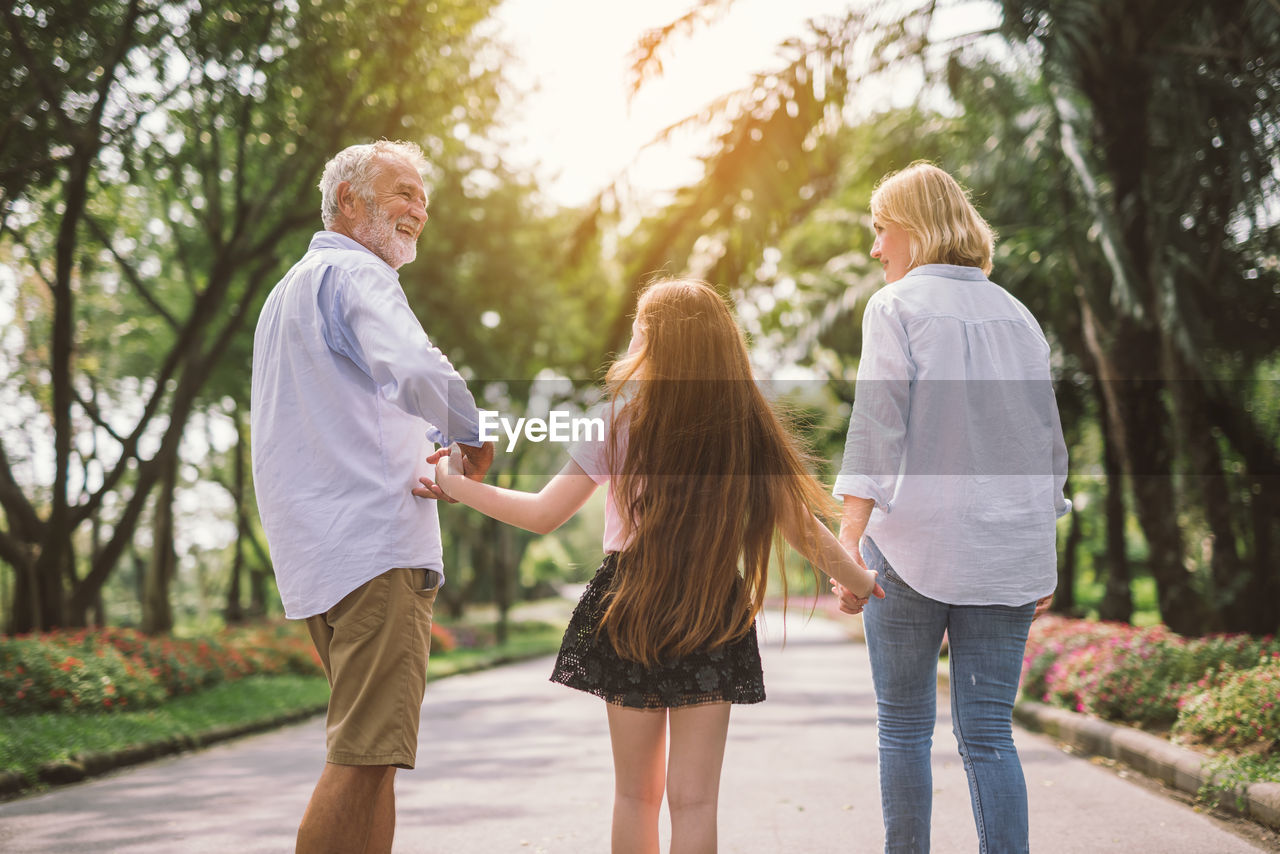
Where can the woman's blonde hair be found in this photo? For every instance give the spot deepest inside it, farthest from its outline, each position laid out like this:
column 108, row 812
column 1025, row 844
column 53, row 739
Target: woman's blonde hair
column 941, row 223
column 708, row 474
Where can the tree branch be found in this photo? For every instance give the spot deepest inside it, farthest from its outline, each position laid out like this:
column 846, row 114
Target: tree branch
column 95, row 415
column 23, row 519
column 130, row 272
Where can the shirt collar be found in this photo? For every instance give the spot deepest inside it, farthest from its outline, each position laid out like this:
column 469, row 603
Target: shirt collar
column 948, row 271
column 334, row 240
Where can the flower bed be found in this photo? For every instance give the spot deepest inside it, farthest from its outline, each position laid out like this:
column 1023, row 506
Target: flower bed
column 1222, row 689
column 110, row 669
column 113, row 668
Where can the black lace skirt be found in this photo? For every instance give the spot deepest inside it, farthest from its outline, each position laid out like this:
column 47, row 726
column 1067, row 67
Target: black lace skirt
column 729, row 673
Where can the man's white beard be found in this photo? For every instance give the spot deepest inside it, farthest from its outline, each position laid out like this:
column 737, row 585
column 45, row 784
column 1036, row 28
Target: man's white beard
column 378, row 233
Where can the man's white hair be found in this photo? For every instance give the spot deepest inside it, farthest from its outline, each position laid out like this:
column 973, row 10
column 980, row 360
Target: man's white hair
column 356, row 165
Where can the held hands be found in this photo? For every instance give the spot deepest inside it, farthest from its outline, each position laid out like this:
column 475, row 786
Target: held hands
column 852, row 603
column 475, row 462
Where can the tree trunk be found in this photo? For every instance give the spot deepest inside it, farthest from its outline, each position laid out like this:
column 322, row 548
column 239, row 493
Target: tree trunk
column 1064, row 598
column 1117, row 600
column 235, row 612
column 453, row 595
column 157, row 610
column 258, row 578
column 1264, row 617
column 1128, row 358
column 503, row 574
column 1230, row 574
column 24, row 615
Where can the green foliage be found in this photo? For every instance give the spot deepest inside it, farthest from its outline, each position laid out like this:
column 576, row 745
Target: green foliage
column 112, row 669
column 164, row 158
column 287, row 683
column 68, row 675
column 1054, row 638
column 1130, row 674
column 1239, row 708
column 29, row 741
column 1230, row 774
column 478, row 647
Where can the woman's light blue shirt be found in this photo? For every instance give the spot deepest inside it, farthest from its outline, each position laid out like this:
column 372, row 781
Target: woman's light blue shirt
column 955, row 435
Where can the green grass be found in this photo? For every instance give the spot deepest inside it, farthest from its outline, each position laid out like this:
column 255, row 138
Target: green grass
column 526, row 640
column 29, row 741
column 1231, row 774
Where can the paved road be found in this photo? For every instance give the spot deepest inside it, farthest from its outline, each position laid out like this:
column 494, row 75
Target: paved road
column 511, row 763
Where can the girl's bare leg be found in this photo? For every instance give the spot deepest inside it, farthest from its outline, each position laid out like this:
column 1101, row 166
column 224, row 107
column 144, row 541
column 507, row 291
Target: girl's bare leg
column 639, row 738
column 693, row 775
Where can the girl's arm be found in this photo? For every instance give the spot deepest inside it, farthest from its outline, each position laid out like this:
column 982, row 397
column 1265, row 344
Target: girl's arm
column 821, row 548
column 540, row 512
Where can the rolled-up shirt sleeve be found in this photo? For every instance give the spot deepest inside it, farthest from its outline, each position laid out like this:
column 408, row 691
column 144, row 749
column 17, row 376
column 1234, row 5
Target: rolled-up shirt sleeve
column 371, row 323
column 882, row 402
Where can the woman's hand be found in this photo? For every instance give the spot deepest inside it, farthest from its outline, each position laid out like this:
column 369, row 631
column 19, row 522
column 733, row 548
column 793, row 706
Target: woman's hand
column 1043, row 606
column 852, row 603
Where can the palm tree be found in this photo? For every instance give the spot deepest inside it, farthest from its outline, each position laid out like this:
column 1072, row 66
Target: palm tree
column 1134, row 144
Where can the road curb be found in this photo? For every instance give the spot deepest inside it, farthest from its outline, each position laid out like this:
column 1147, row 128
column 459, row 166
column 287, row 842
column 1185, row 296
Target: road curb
column 1180, row 767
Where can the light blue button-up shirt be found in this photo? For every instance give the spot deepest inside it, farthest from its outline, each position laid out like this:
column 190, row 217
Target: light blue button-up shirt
column 955, row 435
column 348, row 396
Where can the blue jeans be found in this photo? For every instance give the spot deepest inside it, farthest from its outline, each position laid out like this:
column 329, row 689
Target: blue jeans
column 904, row 633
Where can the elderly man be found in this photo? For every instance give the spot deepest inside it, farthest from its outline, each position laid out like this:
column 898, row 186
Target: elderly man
column 348, row 396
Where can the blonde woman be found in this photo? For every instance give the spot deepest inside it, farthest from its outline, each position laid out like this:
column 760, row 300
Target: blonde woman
column 952, row 482
column 702, row 475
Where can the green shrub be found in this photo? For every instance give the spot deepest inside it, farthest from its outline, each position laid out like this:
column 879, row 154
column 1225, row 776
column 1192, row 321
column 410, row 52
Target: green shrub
column 1135, row 677
column 1239, row 708
column 1125, row 673
column 275, row 648
column 114, row 668
column 1051, row 639
column 181, row 665
column 72, row 673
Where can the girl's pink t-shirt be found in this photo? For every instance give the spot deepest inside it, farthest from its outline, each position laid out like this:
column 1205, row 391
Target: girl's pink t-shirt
column 592, row 455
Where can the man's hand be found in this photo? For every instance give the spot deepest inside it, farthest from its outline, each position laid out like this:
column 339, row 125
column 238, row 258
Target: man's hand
column 476, row 460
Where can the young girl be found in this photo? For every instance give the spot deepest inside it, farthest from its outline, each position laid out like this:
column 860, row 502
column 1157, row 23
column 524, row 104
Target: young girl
column 702, row 474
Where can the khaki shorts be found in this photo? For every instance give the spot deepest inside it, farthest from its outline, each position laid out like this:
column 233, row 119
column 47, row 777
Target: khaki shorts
column 374, row 646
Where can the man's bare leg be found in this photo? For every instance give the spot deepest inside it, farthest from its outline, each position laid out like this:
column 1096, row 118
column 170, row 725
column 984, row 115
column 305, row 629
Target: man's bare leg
column 384, row 818
column 351, row 807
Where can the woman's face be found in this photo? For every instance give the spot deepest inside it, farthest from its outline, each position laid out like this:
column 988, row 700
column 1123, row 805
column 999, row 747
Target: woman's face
column 892, row 248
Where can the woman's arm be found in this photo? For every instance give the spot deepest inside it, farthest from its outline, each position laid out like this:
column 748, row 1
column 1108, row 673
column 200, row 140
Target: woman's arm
column 853, row 522
column 541, row 512
column 821, row 548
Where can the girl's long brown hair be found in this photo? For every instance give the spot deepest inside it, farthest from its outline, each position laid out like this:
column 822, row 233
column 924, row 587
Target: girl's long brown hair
column 708, row 473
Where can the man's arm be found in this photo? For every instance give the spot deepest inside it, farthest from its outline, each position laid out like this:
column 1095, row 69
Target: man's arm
column 373, row 325
column 476, row 459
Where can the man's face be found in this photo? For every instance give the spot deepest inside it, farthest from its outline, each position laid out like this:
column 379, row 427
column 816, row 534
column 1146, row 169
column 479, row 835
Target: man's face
column 389, row 227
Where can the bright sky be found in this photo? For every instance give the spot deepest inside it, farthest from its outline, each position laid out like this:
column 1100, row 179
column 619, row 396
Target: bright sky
column 577, row 129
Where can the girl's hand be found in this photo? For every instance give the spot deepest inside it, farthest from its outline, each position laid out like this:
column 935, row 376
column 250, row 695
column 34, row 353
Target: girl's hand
column 446, row 478
column 437, row 488
column 852, row 603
